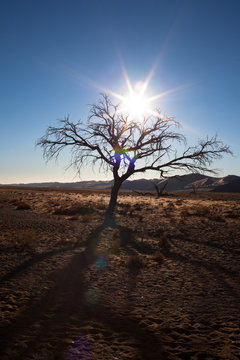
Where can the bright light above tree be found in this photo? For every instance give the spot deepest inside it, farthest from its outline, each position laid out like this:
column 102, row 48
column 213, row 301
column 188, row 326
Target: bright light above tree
column 136, row 104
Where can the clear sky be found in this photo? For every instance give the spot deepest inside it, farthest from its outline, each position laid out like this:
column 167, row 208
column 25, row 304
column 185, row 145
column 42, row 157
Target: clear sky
column 54, row 52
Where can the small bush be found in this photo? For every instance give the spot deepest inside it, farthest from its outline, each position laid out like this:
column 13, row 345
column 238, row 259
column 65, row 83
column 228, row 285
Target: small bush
column 135, row 262
column 23, row 206
column 164, row 242
column 201, row 210
column 121, row 212
column 185, row 212
column 232, row 215
column 14, row 201
column 85, row 218
column 130, row 214
column 26, row 238
column 74, row 210
column 158, row 256
column 216, row 217
column 138, row 207
column 179, row 202
column 156, row 233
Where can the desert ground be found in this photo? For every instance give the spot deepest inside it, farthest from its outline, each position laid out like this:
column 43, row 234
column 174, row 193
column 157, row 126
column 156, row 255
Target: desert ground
column 159, row 282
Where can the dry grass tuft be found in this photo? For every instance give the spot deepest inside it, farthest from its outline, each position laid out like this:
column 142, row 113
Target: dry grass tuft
column 85, row 218
column 201, row 210
column 74, row 210
column 233, row 214
column 26, row 238
column 138, row 207
column 23, row 206
column 158, row 256
column 135, row 262
column 164, row 241
column 216, row 216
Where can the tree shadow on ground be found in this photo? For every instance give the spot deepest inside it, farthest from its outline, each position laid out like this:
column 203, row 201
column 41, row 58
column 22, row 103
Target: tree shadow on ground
column 186, row 237
column 36, row 258
column 220, row 273
column 127, row 238
column 45, row 325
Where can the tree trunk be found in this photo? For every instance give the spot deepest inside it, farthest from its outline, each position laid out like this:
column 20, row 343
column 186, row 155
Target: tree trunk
column 113, row 199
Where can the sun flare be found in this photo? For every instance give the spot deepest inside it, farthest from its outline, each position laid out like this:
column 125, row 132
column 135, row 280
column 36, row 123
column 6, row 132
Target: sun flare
column 135, row 105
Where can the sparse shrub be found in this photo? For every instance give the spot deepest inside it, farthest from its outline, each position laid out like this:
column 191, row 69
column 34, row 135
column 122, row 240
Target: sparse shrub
column 14, row 201
column 130, row 214
column 173, row 220
column 156, row 232
column 179, row 202
column 120, row 204
column 85, row 218
column 100, row 206
column 232, row 214
column 215, row 216
column 6, row 199
column 185, row 212
column 158, row 256
column 74, row 210
column 135, row 262
column 201, row 210
column 121, row 212
column 53, row 204
column 26, row 237
column 211, row 213
column 170, row 206
column 140, row 217
column 23, row 206
column 138, row 207
column 164, row 241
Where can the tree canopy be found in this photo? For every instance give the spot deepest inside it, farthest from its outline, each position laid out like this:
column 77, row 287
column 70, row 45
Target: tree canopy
column 127, row 146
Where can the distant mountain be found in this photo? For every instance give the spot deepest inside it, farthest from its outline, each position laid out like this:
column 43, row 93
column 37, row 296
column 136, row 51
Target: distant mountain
column 183, row 182
column 71, row 185
column 197, row 182
column 232, row 186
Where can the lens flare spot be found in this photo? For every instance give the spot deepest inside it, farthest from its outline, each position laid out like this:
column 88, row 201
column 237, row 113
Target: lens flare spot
column 80, row 349
column 100, row 263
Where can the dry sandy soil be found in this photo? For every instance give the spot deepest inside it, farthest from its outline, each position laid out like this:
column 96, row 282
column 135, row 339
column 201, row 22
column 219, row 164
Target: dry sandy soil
column 161, row 282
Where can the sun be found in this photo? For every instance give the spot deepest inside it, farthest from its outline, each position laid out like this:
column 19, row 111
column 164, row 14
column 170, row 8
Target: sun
column 135, row 104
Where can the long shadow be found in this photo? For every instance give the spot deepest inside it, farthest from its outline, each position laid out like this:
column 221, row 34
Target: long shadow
column 64, row 309
column 186, row 237
column 214, row 268
column 127, row 240
column 36, row 259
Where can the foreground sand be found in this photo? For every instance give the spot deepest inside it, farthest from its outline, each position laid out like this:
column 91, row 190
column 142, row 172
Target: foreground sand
column 162, row 282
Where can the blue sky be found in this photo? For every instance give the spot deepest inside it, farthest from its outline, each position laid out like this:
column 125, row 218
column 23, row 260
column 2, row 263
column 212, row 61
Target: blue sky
column 53, row 52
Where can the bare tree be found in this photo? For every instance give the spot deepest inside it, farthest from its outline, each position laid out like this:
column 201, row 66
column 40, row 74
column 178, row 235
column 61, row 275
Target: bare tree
column 160, row 190
column 128, row 147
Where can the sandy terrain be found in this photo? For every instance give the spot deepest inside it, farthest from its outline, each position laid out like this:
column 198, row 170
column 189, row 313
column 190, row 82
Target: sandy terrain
column 162, row 282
